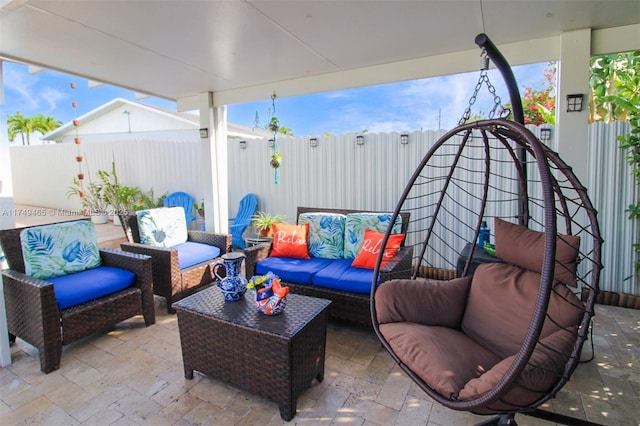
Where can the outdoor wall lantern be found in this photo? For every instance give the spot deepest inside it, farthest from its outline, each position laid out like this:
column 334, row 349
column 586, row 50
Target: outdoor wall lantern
column 313, row 142
column 271, row 142
column 360, row 140
column 545, row 134
column 574, row 102
column 204, row 133
column 243, row 144
column 404, row 139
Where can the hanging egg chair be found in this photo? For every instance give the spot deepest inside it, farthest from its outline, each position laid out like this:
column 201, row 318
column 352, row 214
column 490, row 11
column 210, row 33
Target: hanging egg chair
column 496, row 329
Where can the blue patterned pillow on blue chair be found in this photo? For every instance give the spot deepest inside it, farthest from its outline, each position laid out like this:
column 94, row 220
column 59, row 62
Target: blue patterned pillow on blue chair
column 326, row 234
column 59, row 249
column 355, row 225
column 162, row 227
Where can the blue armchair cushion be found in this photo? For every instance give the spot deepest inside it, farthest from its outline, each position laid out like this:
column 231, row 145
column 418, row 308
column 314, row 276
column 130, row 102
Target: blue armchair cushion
column 59, row 249
column 355, row 225
column 292, row 269
column 326, row 234
column 81, row 287
column 162, row 227
column 190, row 253
column 340, row 275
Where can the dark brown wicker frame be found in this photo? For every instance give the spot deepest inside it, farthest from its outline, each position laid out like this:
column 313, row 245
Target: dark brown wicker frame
column 32, row 310
column 464, row 170
column 351, row 307
column 169, row 281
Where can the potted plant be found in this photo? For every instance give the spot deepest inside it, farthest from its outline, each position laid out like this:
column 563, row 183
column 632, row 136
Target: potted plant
column 263, row 222
column 94, row 202
column 275, row 160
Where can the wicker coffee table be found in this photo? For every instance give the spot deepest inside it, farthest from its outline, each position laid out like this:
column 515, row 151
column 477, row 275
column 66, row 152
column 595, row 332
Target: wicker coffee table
column 275, row 357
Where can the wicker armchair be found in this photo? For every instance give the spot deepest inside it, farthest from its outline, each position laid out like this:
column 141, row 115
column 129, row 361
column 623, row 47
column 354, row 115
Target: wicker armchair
column 33, row 313
column 169, row 281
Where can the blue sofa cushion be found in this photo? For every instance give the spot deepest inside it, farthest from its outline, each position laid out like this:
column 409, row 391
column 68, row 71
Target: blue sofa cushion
column 190, row 253
column 292, row 269
column 74, row 289
column 339, row 275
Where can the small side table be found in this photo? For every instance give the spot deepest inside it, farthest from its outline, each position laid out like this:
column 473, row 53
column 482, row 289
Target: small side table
column 253, row 241
column 479, row 256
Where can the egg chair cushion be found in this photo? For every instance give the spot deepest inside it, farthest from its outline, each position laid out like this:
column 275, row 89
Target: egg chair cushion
column 519, row 245
column 443, row 357
column 501, row 303
column 544, row 367
column 423, row 301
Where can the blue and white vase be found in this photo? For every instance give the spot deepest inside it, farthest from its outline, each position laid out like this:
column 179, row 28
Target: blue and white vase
column 233, row 285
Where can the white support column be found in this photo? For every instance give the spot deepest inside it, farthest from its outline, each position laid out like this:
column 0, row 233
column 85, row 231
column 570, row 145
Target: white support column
column 214, row 164
column 7, row 221
column 573, row 78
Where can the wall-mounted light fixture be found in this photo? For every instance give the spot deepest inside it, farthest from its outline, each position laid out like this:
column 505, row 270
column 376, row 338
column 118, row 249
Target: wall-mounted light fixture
column 404, row 139
column 204, row 133
column 243, row 144
column 545, row 134
column 313, row 142
column 360, row 140
column 574, row 102
column 271, row 142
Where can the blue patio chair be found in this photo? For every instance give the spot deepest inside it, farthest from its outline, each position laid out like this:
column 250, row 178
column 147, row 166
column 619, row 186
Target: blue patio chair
column 184, row 200
column 248, row 207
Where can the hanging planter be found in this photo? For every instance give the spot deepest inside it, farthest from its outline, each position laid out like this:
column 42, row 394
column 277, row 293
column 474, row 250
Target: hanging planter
column 276, row 158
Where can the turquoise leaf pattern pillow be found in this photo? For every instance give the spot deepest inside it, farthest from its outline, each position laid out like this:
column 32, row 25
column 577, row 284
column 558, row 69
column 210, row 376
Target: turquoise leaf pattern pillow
column 355, row 225
column 60, row 249
column 162, row 227
column 326, row 234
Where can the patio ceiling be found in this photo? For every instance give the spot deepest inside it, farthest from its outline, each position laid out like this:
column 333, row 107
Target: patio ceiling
column 243, row 49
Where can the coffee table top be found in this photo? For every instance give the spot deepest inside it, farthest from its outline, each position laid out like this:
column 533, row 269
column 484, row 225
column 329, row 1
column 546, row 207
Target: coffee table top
column 299, row 311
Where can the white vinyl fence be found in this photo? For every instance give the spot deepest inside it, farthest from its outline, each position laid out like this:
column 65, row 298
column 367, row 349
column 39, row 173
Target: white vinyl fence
column 336, row 173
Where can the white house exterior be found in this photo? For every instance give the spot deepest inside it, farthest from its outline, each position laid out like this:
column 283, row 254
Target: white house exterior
column 128, row 120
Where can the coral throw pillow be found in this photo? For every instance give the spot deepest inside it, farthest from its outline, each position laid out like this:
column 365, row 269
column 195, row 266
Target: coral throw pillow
column 371, row 244
column 290, row 241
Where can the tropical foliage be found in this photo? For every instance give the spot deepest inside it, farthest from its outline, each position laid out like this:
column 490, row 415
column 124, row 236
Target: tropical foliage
column 17, row 124
column 615, row 96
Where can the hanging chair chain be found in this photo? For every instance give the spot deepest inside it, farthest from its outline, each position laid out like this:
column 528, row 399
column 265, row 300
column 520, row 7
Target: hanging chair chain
column 484, row 78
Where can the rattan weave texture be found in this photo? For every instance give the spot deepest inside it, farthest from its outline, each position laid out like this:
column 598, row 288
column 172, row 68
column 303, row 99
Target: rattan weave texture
column 276, row 357
column 169, row 281
column 32, row 310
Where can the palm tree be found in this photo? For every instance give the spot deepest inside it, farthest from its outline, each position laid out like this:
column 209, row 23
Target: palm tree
column 19, row 124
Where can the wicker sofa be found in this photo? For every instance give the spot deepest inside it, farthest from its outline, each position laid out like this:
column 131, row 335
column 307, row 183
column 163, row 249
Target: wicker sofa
column 352, row 306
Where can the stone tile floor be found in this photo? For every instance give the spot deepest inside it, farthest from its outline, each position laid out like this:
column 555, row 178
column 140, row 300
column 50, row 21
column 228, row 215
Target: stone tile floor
column 133, row 375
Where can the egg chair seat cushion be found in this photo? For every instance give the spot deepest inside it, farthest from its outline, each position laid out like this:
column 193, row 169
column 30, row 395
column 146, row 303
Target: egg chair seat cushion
column 461, row 336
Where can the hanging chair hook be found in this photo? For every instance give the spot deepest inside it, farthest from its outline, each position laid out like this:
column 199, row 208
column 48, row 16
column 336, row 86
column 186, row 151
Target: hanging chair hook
column 484, row 60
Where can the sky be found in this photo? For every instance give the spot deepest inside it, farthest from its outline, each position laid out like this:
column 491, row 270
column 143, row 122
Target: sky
column 425, row 104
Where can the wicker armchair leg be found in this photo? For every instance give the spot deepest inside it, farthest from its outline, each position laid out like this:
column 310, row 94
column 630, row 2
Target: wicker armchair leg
column 50, row 357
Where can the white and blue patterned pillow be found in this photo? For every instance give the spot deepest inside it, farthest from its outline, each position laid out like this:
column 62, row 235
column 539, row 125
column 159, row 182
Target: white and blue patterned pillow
column 59, row 249
column 355, row 225
column 162, row 227
column 326, row 234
